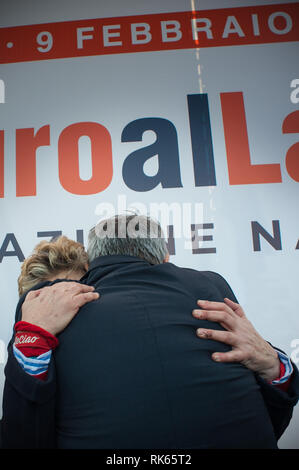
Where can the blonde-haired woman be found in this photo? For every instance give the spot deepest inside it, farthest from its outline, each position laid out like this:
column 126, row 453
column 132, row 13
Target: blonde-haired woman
column 58, row 260
column 61, row 258
column 52, row 275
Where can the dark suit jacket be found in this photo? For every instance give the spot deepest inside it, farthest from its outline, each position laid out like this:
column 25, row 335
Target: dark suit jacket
column 130, row 372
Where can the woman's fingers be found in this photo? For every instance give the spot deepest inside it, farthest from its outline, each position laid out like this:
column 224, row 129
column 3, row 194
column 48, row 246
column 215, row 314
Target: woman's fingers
column 85, row 297
column 235, row 307
column 222, row 336
column 220, row 316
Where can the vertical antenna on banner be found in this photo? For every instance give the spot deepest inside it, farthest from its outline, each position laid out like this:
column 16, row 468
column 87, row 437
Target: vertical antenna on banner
column 197, row 48
column 212, row 207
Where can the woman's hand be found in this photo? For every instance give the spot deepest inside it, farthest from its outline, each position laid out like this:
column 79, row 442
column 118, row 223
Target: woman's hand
column 53, row 307
column 248, row 347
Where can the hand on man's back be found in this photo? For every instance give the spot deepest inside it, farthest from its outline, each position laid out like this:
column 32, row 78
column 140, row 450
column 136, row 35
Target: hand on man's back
column 248, row 346
column 53, row 307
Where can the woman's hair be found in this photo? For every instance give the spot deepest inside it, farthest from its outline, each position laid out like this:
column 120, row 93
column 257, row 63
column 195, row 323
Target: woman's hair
column 50, row 259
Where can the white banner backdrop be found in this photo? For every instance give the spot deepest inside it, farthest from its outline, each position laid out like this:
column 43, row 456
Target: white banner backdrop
column 190, row 129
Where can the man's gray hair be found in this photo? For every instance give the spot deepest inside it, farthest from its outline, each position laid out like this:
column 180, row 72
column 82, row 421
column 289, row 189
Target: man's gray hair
column 133, row 235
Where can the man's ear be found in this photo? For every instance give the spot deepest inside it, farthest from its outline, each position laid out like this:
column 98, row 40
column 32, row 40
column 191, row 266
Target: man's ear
column 166, row 259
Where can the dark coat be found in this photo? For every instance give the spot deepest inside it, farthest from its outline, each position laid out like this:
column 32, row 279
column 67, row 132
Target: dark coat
column 130, row 372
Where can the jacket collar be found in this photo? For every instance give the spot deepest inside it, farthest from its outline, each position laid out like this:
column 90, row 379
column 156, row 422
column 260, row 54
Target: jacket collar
column 110, row 260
